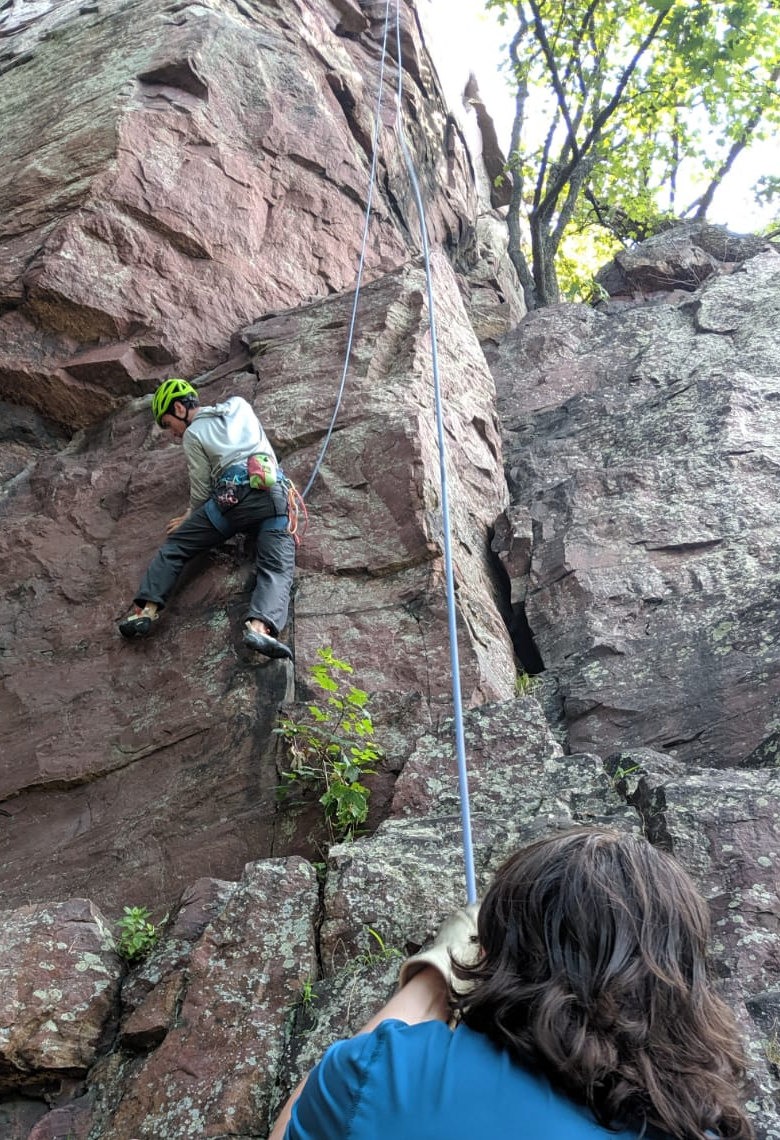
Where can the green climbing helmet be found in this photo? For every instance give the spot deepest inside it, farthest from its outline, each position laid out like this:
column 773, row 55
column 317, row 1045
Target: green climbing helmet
column 169, row 391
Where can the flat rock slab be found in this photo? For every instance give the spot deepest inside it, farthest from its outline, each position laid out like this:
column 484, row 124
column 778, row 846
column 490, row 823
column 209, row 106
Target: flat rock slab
column 59, row 982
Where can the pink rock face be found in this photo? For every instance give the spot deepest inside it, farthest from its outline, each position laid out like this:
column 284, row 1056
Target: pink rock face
column 195, row 166
column 59, row 980
column 73, row 1121
column 150, row 764
column 370, row 572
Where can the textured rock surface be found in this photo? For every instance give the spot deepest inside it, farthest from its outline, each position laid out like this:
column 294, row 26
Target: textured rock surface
column 678, row 260
column 212, row 1073
column 403, row 881
column 642, row 448
column 375, row 545
column 196, row 165
column 59, row 984
column 164, row 770
column 260, row 994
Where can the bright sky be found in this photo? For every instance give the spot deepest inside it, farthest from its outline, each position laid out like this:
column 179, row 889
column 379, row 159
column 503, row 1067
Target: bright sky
column 467, row 38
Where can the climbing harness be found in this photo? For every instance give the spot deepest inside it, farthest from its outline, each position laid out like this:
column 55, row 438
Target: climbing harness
column 468, row 851
column 259, row 472
column 258, row 476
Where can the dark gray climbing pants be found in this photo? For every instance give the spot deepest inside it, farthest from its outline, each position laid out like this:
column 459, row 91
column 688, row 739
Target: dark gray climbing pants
column 274, row 556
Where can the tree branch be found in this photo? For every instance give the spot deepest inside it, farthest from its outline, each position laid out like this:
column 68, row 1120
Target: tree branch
column 705, row 201
column 565, row 173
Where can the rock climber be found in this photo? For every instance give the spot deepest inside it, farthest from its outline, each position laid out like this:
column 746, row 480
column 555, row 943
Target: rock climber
column 583, row 1010
column 236, row 485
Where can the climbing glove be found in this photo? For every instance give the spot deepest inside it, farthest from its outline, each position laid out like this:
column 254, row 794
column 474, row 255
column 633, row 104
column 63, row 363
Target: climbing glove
column 457, row 938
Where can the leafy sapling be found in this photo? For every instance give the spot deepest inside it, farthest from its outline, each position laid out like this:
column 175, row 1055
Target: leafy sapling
column 330, row 747
column 137, row 935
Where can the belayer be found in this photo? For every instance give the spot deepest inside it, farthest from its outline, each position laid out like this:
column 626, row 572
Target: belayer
column 236, row 486
column 584, row 1011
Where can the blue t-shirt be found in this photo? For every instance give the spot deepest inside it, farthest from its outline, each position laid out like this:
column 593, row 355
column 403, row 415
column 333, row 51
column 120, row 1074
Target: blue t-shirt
column 424, row 1082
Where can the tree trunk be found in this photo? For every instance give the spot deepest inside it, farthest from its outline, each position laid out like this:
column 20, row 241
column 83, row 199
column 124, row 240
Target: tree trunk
column 515, row 247
column 544, row 249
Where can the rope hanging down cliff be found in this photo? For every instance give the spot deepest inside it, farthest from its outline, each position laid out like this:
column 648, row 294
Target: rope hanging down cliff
column 366, row 223
column 468, row 852
column 468, row 848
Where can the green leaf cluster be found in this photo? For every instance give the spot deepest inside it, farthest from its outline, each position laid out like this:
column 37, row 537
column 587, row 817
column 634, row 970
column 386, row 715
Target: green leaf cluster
column 629, row 113
column 378, row 952
column 330, row 746
column 137, row 935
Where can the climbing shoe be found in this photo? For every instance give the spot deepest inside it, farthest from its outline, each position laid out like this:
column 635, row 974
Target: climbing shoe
column 138, row 623
column 264, row 643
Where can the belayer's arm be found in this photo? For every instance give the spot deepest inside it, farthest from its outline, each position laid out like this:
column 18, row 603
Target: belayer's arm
column 424, row 998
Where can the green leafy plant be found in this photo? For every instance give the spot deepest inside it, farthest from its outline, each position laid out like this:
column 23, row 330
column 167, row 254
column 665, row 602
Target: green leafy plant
column 377, row 951
column 330, row 746
column 525, row 683
column 137, row 935
column 307, row 995
column 380, row 952
column 620, row 772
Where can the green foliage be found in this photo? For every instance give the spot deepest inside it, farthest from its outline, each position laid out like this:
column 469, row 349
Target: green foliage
column 307, row 996
column 330, row 746
column 137, row 935
column 580, row 256
column 377, row 951
column 525, row 683
column 629, row 113
column 620, row 772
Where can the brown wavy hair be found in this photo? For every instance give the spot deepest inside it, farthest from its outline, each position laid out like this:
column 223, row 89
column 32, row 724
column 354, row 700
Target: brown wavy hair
column 594, row 972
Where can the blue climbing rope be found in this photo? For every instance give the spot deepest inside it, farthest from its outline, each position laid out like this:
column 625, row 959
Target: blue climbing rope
column 371, row 182
column 465, row 810
column 468, row 848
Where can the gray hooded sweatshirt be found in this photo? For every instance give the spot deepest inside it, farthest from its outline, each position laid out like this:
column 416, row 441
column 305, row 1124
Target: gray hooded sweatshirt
column 219, row 437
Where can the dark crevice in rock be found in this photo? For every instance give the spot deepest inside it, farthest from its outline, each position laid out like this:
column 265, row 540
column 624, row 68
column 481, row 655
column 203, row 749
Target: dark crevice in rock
column 22, row 425
column 668, row 745
column 183, row 242
column 176, row 73
column 523, row 641
column 316, row 168
column 678, row 547
column 765, row 755
column 648, row 801
column 346, row 100
column 353, row 22
column 394, row 204
column 514, row 617
column 18, row 62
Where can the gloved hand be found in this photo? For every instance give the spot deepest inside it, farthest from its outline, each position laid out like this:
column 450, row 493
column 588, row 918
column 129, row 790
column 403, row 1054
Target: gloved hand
column 457, row 936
